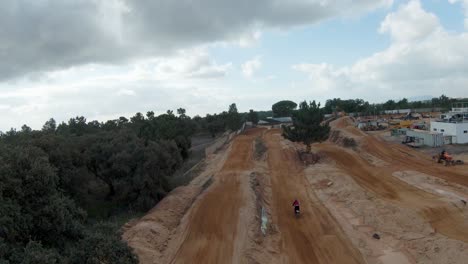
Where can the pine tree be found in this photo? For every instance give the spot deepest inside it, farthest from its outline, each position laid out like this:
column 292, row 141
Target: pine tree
column 307, row 125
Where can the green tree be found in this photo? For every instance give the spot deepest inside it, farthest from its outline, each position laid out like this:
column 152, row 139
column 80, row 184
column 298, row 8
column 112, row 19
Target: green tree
column 26, row 129
column 50, row 126
column 283, row 108
column 234, row 120
column 181, row 112
column 102, row 245
column 45, row 175
column 390, row 105
column 307, row 125
column 215, row 124
column 136, row 172
column 122, row 121
column 253, row 117
column 33, row 208
column 444, row 101
column 111, row 157
column 35, row 253
column 150, row 115
column 77, row 125
column 403, row 104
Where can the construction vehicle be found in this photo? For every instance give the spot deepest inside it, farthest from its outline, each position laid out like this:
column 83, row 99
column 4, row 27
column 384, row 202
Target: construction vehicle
column 412, row 142
column 446, row 158
column 397, row 124
column 412, row 116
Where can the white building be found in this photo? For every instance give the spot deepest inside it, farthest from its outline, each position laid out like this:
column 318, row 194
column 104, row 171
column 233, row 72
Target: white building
column 453, row 125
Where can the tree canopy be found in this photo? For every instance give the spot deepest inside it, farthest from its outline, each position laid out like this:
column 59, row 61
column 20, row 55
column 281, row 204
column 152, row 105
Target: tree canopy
column 39, row 223
column 61, row 186
column 364, row 107
column 283, row 108
column 252, row 117
column 307, row 125
column 234, row 119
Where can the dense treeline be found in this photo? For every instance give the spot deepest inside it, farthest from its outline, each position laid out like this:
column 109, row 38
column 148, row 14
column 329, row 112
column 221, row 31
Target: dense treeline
column 361, row 106
column 39, row 223
column 60, row 185
column 218, row 123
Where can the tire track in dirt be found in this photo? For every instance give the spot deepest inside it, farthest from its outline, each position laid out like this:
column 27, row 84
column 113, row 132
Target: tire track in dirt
column 212, row 231
column 409, row 158
column 315, row 237
column 444, row 217
column 403, row 156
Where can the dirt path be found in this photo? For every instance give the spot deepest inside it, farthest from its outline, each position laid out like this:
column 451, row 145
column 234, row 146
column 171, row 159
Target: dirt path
column 315, row 237
column 443, row 216
column 221, row 223
column 213, row 233
column 212, row 230
column 404, row 156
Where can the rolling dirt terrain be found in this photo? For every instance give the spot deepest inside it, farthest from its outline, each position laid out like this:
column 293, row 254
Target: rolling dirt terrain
column 414, row 204
column 444, row 217
column 315, row 237
column 212, row 229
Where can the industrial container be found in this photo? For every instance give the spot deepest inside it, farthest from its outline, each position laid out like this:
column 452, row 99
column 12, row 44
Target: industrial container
column 431, row 139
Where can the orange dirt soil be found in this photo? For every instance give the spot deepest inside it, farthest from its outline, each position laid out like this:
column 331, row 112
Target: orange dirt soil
column 315, row 237
column 212, row 228
column 220, row 223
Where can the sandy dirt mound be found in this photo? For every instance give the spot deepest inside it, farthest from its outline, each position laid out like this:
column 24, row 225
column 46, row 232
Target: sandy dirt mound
column 213, row 234
column 150, row 235
column 315, row 237
column 342, row 122
column 374, row 202
column 245, row 215
column 411, row 159
column 446, row 218
column 386, row 190
column 405, row 236
column 454, row 193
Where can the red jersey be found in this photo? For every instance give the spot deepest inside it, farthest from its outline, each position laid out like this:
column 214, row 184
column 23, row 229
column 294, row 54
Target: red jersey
column 296, row 203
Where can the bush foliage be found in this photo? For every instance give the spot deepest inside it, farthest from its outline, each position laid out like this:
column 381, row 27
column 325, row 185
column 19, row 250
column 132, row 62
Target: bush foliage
column 56, row 182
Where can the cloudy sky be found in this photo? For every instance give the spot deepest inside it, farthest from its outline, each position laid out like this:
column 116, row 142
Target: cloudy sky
column 105, row 59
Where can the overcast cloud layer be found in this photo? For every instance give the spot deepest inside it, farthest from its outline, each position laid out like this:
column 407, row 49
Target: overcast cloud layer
column 43, row 35
column 105, row 59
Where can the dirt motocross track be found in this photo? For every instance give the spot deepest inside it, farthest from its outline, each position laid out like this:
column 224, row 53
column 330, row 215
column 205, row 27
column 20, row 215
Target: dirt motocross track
column 217, row 217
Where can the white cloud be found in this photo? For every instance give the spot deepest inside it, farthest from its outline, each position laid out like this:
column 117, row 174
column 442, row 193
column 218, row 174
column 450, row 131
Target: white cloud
column 251, row 66
column 250, row 39
column 191, row 79
column 185, row 64
column 103, row 59
column 324, row 76
column 4, row 107
column 409, row 23
column 194, row 63
column 55, row 34
column 126, row 92
column 423, row 58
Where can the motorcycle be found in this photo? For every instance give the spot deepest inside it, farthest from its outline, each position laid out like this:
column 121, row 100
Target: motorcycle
column 297, row 211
